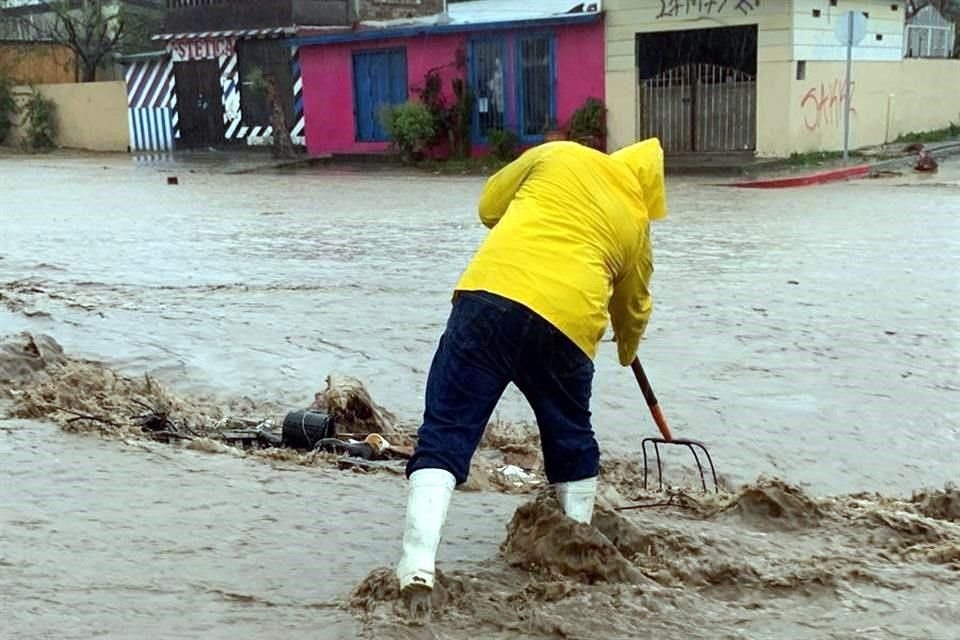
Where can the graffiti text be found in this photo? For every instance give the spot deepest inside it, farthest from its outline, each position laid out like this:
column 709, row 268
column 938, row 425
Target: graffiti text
column 680, row 8
column 823, row 106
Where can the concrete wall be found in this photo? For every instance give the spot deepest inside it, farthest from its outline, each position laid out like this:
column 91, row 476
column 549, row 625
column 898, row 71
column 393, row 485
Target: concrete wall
column 91, row 116
column 887, row 99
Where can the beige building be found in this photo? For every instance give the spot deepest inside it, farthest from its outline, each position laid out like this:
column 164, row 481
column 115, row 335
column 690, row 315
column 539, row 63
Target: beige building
column 766, row 76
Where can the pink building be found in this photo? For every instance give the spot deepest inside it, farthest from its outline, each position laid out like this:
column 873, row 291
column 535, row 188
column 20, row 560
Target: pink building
column 529, row 65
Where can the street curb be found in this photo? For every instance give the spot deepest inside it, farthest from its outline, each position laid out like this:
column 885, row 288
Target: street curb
column 939, row 151
column 822, row 177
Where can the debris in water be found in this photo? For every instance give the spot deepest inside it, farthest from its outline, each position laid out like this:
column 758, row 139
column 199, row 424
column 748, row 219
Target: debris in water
column 925, row 162
column 348, row 401
column 941, row 504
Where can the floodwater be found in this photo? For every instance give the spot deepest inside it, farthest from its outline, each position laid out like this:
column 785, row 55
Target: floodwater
column 811, row 335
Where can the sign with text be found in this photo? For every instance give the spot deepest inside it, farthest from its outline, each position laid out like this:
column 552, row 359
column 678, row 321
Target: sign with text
column 200, row 49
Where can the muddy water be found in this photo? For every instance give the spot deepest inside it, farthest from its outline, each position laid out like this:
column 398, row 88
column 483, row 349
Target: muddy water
column 811, row 335
column 113, row 540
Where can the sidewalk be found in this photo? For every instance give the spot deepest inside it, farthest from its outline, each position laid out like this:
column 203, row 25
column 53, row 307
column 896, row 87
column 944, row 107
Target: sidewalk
column 721, row 164
column 739, row 169
column 833, row 172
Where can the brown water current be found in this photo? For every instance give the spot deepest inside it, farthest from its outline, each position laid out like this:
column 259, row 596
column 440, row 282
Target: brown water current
column 810, row 337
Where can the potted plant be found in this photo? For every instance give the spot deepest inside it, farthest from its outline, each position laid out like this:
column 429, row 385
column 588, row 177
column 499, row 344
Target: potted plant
column 588, row 125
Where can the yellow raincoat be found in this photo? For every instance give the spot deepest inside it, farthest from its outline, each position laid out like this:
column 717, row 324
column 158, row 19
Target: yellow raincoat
column 570, row 239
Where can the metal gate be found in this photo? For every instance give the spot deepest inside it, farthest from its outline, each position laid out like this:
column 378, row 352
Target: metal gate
column 700, row 107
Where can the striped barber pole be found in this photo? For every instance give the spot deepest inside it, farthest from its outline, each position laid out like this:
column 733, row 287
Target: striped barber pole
column 151, row 104
column 230, row 94
column 297, row 133
column 234, row 129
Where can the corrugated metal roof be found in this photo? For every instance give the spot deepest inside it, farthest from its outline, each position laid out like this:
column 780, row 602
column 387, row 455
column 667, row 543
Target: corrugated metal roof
column 508, row 10
column 492, row 11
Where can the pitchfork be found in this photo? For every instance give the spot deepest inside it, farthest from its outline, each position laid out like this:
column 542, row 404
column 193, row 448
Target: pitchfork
column 667, row 436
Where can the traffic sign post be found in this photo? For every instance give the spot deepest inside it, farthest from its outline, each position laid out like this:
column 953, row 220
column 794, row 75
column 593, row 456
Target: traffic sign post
column 850, row 30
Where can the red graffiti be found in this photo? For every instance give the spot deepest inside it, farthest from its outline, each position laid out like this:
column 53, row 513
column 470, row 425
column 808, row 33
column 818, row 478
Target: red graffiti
column 824, row 106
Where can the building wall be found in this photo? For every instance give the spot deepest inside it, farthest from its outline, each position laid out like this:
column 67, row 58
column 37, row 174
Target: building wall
column 36, row 63
column 814, row 37
column 91, row 115
column 887, row 99
column 579, row 67
column 889, row 95
column 795, row 114
column 328, row 87
column 626, row 18
column 328, row 79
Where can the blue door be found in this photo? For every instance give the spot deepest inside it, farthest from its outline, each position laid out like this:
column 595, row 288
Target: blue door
column 379, row 80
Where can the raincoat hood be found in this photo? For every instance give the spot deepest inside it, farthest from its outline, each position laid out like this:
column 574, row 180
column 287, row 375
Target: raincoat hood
column 645, row 160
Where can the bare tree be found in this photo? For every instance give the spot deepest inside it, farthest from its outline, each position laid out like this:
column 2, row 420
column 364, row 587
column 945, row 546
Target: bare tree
column 91, row 29
column 945, row 7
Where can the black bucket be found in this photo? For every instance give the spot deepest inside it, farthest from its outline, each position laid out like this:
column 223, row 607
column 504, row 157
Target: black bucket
column 303, row 429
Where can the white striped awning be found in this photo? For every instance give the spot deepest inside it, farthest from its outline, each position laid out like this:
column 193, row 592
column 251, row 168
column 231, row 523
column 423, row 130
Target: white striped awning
column 272, row 32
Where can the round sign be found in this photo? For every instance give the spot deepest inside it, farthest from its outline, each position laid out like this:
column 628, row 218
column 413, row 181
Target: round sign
column 845, row 34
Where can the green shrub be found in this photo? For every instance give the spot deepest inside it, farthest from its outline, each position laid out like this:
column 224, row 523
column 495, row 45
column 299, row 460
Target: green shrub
column 410, row 127
column 41, row 121
column 503, row 144
column 8, row 107
column 937, row 135
column 588, row 123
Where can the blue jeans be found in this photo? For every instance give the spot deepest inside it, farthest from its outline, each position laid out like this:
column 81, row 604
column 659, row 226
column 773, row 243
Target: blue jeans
column 489, row 342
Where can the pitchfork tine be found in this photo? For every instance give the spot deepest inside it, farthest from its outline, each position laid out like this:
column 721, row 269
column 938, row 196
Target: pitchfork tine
column 667, row 438
column 703, row 480
column 656, row 447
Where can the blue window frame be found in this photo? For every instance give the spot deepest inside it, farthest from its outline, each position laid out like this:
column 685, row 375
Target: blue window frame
column 488, row 70
column 514, row 81
column 379, row 80
column 536, row 86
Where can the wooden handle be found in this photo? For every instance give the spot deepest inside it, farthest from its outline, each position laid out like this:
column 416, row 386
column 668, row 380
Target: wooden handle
column 661, row 422
column 651, row 399
column 645, row 387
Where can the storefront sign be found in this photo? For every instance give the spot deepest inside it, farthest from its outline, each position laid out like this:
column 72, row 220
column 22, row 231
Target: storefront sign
column 200, row 49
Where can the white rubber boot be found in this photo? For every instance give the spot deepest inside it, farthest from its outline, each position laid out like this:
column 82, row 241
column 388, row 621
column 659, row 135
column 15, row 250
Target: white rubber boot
column 427, row 501
column 576, row 498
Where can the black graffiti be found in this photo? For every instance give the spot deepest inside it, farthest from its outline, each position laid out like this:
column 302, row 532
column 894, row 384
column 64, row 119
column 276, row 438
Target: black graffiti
column 679, row 8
